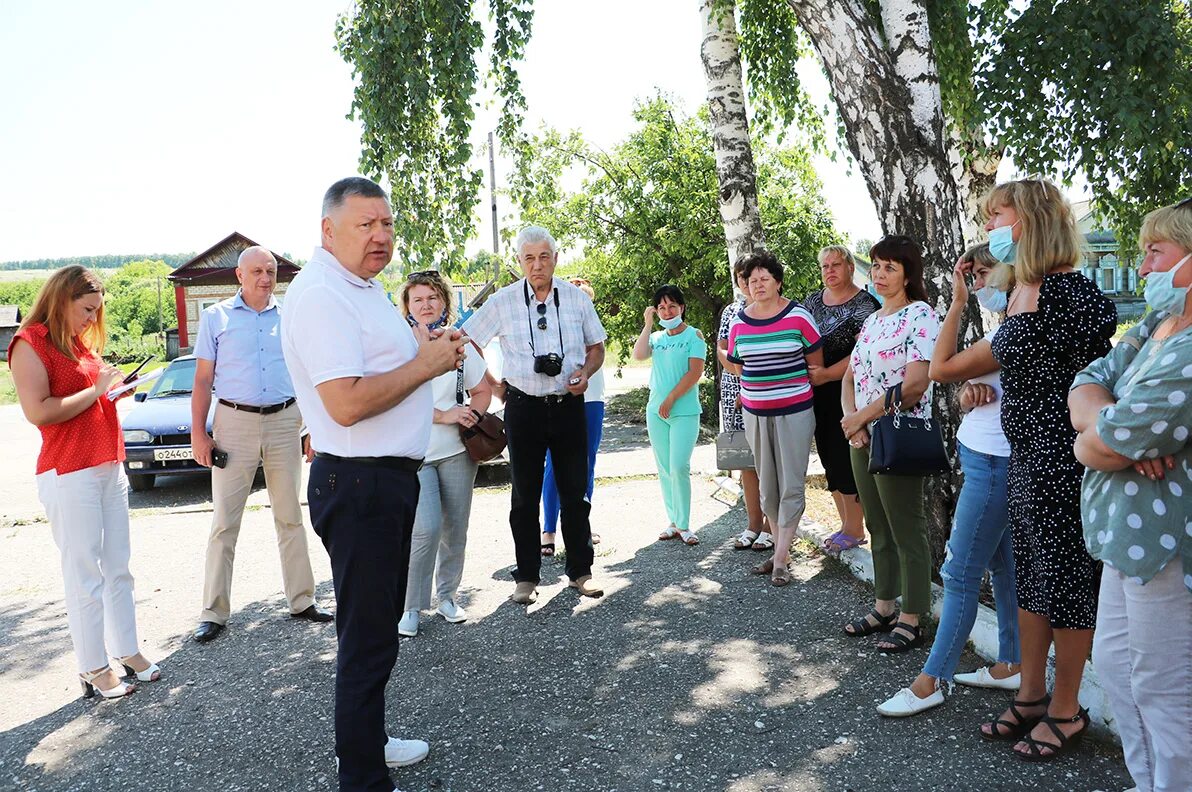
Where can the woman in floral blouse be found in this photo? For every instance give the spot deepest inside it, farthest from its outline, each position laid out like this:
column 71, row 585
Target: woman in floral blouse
column 1133, row 409
column 894, row 348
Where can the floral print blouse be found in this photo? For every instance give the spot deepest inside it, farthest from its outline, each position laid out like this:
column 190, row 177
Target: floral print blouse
column 1134, row 524
column 884, row 348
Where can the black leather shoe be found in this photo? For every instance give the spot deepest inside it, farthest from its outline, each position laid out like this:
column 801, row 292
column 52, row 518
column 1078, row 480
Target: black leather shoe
column 314, row 613
column 207, row 630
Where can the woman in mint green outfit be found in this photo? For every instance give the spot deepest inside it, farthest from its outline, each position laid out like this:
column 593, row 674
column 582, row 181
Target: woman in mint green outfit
column 672, row 414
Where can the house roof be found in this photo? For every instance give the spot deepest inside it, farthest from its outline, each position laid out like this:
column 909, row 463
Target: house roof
column 10, row 316
column 216, row 265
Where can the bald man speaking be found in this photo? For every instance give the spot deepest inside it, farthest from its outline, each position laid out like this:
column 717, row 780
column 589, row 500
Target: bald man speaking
column 239, row 358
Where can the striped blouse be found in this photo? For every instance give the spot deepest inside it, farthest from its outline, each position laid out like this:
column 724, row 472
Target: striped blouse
column 772, row 352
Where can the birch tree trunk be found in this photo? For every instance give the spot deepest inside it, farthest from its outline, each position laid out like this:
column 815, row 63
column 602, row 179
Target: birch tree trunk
column 721, row 56
column 887, row 93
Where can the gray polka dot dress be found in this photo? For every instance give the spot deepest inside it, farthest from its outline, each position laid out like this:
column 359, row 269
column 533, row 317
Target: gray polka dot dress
column 1040, row 354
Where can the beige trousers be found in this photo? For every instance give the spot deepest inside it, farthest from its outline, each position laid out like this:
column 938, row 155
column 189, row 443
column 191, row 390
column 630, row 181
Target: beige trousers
column 250, row 438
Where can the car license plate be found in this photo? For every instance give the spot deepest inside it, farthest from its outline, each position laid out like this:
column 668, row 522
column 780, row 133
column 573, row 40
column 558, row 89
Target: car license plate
column 163, row 454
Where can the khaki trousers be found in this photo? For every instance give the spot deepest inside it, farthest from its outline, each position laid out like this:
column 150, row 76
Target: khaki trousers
column 250, row 438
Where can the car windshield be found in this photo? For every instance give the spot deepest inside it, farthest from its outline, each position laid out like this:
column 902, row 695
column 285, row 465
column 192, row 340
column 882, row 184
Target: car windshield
column 179, row 377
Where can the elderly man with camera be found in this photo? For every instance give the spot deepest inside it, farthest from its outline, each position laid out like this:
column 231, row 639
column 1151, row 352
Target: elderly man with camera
column 551, row 342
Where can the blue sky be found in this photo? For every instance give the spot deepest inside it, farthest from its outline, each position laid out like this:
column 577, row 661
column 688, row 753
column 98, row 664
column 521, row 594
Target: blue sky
column 132, row 126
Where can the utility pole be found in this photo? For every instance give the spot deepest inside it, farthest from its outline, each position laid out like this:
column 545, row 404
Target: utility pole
column 161, row 331
column 492, row 191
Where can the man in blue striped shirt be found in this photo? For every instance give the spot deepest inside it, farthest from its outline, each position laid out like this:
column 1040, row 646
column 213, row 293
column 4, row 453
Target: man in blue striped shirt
column 256, row 420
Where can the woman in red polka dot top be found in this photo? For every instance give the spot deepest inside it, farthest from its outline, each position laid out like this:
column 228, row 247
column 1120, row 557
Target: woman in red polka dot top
column 61, row 383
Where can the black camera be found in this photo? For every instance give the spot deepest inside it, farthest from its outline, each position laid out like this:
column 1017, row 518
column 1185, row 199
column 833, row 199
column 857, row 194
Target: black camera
column 550, row 364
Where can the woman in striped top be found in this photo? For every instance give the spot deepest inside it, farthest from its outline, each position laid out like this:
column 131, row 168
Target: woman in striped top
column 771, row 344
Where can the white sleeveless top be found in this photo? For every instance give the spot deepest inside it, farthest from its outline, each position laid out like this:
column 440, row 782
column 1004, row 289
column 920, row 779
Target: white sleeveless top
column 981, row 429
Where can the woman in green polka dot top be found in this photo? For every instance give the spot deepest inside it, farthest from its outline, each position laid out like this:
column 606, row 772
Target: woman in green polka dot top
column 1133, row 410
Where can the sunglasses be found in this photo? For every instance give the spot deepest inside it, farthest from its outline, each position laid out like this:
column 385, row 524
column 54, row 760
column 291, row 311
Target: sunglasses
column 422, row 274
column 541, row 316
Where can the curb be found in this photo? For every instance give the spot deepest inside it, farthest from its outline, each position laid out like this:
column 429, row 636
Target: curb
column 984, row 636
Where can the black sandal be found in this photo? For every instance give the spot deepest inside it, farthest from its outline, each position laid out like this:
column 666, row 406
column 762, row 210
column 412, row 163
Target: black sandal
column 548, row 549
column 900, row 641
column 1034, row 751
column 1019, row 726
column 864, row 626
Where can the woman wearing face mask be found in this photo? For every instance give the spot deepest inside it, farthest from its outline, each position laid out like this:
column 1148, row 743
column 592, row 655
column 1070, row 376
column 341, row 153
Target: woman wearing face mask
column 448, row 474
column 1133, row 410
column 893, row 350
column 672, row 414
column 980, row 537
column 1057, row 322
column 839, row 310
column 61, row 382
column 773, row 343
column 757, row 534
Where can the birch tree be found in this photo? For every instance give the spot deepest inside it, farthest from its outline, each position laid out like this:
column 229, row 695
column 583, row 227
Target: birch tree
column 735, row 170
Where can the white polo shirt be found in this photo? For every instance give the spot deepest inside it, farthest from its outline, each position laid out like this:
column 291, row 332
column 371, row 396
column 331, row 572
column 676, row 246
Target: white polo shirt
column 338, row 325
column 507, row 315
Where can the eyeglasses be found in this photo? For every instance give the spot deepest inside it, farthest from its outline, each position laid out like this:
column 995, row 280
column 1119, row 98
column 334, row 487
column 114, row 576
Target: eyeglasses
column 1186, row 202
column 541, row 316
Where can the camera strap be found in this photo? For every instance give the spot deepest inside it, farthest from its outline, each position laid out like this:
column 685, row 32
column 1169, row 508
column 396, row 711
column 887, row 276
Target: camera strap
column 530, row 319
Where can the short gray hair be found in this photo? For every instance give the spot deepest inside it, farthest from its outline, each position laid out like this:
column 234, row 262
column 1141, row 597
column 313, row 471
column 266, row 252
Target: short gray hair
column 353, row 185
column 533, row 234
column 248, row 252
column 839, row 250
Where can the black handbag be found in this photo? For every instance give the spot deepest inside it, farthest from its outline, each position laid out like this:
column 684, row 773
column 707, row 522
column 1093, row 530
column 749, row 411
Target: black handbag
column 900, row 445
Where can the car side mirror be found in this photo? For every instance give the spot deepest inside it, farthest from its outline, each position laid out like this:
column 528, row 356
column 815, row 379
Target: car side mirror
column 140, row 396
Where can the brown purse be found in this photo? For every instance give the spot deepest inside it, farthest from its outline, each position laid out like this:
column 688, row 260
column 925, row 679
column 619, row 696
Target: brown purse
column 486, row 440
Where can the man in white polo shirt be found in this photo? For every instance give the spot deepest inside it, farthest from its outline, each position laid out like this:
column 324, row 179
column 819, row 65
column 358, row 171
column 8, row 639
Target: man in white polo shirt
column 361, row 376
column 551, row 343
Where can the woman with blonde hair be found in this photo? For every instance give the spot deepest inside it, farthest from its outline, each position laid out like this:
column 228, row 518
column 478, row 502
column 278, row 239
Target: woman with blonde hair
column 61, row 383
column 1133, row 413
column 448, row 474
column 1057, row 322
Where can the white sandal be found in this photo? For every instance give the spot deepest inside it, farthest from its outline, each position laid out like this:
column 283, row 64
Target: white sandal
column 765, row 541
column 689, row 537
column 745, row 540
column 90, row 689
column 671, row 532
column 150, row 674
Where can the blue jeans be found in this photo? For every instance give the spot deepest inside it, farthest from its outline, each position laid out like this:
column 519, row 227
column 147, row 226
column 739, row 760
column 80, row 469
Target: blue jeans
column 980, row 540
column 594, row 413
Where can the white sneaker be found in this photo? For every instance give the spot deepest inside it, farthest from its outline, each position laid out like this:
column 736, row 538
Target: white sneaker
column 403, row 753
column 408, row 626
column 905, row 702
column 452, row 612
column 981, row 678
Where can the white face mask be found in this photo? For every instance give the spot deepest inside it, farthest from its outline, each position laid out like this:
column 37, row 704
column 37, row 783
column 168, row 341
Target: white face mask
column 993, row 300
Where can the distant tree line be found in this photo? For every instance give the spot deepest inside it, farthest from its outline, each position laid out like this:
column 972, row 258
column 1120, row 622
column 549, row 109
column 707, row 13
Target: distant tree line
column 110, row 261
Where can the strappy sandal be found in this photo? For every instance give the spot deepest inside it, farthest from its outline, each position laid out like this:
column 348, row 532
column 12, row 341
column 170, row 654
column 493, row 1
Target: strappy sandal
column 899, row 640
column 838, row 542
column 781, row 577
column 745, row 540
column 689, row 537
column 548, row 549
column 1016, row 728
column 1034, row 748
column 764, row 541
column 671, row 532
column 764, row 568
column 865, row 625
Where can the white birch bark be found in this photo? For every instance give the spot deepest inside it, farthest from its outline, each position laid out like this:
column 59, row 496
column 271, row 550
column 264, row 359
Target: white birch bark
column 735, row 171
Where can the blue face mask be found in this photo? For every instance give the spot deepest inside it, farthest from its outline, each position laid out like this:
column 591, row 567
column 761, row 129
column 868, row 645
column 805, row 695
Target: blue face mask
column 671, row 324
column 1161, row 294
column 993, row 300
column 435, row 325
column 1002, row 244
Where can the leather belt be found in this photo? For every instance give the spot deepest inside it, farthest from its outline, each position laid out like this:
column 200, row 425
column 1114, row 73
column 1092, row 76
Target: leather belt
column 550, row 398
column 267, row 410
column 404, row 464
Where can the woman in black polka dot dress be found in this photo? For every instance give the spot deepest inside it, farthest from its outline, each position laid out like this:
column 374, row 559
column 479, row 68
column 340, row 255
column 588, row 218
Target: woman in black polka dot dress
column 1057, row 323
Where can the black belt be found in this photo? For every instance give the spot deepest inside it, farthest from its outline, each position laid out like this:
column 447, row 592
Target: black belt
column 404, row 464
column 267, row 410
column 550, row 398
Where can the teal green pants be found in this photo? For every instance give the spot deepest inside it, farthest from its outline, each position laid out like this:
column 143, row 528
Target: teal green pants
column 673, row 440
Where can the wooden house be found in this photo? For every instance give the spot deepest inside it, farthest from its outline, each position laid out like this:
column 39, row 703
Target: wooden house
column 10, row 322
column 210, row 277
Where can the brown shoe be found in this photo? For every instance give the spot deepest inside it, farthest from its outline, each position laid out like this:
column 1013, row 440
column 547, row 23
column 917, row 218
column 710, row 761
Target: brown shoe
column 586, row 587
column 525, row 592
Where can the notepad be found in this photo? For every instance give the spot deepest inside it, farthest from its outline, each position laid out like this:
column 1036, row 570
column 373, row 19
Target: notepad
column 115, row 392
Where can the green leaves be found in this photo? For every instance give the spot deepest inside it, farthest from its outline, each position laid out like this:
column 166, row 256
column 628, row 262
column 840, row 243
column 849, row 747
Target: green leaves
column 415, row 65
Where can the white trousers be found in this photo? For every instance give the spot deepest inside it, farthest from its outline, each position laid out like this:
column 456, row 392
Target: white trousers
column 88, row 511
column 1142, row 650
